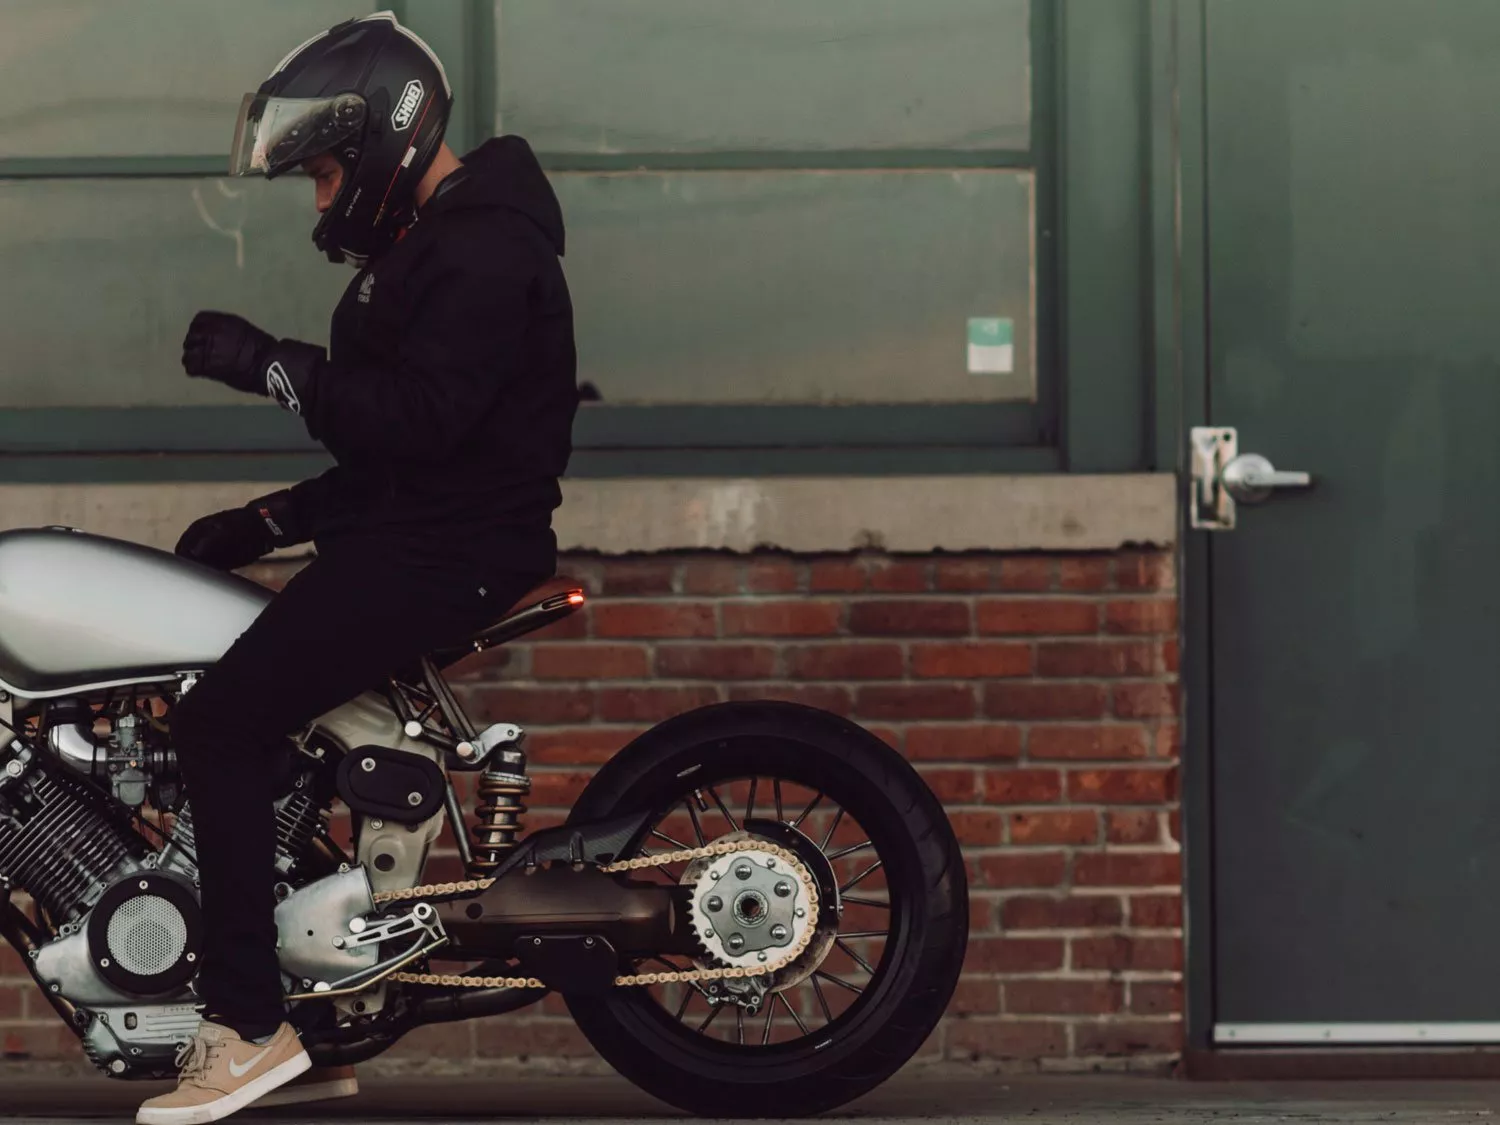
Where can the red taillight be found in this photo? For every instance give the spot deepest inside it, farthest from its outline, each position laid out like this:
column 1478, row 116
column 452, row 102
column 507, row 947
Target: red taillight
column 575, row 599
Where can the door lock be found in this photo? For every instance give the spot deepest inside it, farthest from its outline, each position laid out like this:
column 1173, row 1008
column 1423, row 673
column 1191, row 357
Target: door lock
column 1223, row 477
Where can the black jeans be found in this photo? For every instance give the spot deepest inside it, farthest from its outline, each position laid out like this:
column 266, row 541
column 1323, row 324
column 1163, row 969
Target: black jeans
column 349, row 618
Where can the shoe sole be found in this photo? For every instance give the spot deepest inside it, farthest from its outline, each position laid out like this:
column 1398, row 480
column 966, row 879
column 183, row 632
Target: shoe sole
column 230, row 1103
column 310, row 1092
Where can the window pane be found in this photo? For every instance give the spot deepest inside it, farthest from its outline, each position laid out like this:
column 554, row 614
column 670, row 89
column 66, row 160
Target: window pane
column 134, row 78
column 99, row 280
column 799, row 287
column 610, row 76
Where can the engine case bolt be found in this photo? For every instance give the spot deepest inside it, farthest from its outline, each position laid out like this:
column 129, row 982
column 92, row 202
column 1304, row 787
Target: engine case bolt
column 414, row 799
column 715, row 903
column 367, row 764
column 14, row 768
column 736, row 941
column 744, row 871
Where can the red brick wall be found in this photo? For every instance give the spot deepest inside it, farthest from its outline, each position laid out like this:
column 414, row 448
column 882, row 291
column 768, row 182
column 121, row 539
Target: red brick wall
column 1037, row 694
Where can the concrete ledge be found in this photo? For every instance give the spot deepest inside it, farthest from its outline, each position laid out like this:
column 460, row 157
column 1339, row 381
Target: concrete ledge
column 803, row 515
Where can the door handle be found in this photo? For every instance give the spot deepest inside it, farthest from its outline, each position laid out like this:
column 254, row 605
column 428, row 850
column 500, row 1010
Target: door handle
column 1250, row 478
column 1223, row 477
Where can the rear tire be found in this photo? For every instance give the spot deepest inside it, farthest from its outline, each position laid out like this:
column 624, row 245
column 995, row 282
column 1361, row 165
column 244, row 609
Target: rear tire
column 927, row 890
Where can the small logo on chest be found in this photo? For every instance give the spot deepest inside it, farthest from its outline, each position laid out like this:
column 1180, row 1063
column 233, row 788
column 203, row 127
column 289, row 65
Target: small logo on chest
column 365, row 287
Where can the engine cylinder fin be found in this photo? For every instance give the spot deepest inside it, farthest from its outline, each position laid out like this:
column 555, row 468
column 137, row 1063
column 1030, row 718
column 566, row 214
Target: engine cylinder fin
column 298, row 820
column 64, row 851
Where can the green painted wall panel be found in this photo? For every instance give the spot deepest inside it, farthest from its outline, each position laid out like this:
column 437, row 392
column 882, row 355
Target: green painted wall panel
column 141, row 77
column 99, row 280
column 672, row 76
column 798, row 286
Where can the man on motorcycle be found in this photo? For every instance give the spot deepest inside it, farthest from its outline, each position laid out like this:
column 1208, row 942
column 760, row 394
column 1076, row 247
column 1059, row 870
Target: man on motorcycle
column 446, row 398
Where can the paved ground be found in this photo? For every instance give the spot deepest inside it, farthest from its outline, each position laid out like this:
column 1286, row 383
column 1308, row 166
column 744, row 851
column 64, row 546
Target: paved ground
column 970, row 1101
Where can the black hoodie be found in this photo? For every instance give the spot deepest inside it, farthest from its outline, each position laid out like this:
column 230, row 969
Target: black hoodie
column 449, row 390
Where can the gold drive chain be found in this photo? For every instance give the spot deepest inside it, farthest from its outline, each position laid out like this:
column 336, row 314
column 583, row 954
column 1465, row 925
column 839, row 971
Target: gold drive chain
column 689, row 976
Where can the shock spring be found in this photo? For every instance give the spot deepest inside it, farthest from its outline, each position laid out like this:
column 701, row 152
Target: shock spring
column 501, row 805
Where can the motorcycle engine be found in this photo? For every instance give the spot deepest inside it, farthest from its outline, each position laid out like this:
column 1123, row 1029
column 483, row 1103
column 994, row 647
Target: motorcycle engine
column 127, row 917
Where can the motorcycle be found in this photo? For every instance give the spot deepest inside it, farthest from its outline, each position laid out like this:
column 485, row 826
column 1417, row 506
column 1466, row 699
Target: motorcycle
column 753, row 908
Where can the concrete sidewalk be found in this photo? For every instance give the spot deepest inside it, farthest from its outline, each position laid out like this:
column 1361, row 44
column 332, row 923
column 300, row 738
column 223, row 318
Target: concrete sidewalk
column 1034, row 1100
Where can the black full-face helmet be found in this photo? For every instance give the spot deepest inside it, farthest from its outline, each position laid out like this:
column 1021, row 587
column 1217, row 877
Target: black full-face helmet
column 373, row 95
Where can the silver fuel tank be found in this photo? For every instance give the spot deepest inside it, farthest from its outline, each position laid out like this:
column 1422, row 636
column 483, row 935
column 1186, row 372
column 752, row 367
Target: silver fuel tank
column 80, row 611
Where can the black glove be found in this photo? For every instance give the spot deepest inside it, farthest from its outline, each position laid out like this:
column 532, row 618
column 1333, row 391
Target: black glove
column 228, row 349
column 235, row 538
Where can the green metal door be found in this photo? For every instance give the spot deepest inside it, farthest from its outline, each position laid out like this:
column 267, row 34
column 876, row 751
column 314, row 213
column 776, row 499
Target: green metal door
column 1353, row 196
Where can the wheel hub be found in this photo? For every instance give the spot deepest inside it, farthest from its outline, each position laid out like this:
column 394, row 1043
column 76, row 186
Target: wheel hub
column 747, row 906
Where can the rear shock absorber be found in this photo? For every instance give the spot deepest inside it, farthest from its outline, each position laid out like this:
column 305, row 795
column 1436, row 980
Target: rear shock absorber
column 503, row 787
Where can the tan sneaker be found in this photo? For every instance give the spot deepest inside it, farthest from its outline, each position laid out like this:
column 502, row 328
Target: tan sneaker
column 320, row 1084
column 222, row 1074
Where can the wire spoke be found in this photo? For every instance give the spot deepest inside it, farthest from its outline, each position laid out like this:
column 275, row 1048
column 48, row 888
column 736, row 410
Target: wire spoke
column 714, row 793
column 857, row 901
column 663, row 836
column 776, row 789
column 817, row 797
column 693, row 816
column 750, row 804
column 860, row 961
column 863, row 875
column 850, row 850
column 687, row 998
column 831, row 979
column 770, row 1015
column 822, row 1001
column 802, row 1027
column 866, row 934
column 713, row 1012
column 832, row 828
column 739, row 1023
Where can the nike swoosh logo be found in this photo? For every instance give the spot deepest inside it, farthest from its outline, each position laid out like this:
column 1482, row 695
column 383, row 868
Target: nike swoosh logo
column 239, row 1071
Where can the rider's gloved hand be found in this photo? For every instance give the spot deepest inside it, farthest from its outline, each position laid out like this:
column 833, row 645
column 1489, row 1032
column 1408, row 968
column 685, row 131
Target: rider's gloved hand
column 231, row 350
column 228, row 349
column 237, row 537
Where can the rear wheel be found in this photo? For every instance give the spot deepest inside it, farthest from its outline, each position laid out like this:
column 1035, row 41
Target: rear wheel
column 893, row 916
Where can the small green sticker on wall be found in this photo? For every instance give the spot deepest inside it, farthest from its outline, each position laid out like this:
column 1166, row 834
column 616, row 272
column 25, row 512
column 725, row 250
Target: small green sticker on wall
column 992, row 349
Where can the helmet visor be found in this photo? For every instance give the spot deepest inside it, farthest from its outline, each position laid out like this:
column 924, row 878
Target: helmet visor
column 275, row 134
